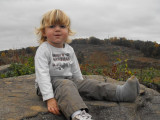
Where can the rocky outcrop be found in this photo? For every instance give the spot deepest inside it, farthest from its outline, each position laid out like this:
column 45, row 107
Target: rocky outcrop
column 4, row 68
column 18, row 100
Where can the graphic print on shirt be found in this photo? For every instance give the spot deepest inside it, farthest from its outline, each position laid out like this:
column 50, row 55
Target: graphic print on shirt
column 61, row 61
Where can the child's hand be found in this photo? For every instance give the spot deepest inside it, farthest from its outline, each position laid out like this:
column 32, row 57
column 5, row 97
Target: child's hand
column 53, row 106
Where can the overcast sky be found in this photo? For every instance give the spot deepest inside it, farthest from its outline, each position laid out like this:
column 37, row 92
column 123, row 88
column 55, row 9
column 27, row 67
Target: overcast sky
column 133, row 19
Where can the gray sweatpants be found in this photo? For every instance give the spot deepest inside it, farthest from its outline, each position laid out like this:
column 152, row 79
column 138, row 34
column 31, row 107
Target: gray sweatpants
column 69, row 92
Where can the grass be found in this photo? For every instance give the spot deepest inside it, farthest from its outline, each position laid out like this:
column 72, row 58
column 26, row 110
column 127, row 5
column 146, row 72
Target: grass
column 93, row 67
column 106, row 62
column 18, row 69
column 148, row 75
column 121, row 72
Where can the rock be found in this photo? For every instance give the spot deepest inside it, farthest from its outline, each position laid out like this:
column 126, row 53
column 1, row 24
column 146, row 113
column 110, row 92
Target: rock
column 18, row 100
column 4, row 68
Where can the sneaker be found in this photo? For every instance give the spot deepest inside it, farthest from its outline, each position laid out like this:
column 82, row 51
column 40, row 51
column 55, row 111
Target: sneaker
column 83, row 116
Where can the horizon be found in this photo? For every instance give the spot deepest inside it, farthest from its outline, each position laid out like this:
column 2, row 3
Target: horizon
column 36, row 45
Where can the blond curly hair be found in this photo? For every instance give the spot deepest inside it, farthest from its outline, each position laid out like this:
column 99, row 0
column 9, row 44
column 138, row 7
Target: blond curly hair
column 53, row 17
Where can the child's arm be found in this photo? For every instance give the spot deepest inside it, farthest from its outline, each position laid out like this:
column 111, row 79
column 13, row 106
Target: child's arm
column 75, row 68
column 42, row 73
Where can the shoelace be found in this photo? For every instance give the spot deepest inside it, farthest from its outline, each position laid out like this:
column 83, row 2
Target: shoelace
column 84, row 116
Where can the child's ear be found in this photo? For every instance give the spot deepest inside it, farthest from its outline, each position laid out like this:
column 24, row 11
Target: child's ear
column 43, row 33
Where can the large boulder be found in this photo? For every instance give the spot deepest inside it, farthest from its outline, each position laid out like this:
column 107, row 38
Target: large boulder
column 18, row 100
column 4, row 68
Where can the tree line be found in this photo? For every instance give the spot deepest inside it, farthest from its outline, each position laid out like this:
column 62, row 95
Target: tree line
column 148, row 48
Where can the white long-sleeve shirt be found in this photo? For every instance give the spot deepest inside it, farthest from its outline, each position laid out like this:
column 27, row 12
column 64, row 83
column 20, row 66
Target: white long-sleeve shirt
column 52, row 61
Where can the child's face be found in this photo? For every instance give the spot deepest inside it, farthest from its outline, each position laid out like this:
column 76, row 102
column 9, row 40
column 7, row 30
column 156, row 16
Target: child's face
column 56, row 35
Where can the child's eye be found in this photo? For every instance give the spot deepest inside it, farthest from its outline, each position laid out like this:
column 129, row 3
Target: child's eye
column 62, row 26
column 52, row 26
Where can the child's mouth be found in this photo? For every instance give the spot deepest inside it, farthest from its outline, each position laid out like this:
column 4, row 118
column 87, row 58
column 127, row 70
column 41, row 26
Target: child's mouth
column 57, row 35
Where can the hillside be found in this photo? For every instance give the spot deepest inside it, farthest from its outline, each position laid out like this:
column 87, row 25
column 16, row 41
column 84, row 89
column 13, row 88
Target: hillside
column 85, row 52
column 117, row 62
column 112, row 53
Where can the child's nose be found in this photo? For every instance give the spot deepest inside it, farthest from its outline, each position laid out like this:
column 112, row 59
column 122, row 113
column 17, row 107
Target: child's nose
column 57, row 28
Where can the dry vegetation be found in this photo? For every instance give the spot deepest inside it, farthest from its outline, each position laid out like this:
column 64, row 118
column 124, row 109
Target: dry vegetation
column 118, row 62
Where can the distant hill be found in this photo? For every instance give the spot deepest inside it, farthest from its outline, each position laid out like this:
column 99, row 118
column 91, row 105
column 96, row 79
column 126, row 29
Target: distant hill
column 110, row 53
column 94, row 48
column 101, row 57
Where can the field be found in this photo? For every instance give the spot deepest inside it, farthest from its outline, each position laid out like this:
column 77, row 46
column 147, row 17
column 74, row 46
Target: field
column 117, row 62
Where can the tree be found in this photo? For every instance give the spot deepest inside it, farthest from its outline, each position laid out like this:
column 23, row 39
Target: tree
column 95, row 41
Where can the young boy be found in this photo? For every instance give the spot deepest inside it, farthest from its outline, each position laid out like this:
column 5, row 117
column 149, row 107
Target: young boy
column 58, row 76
